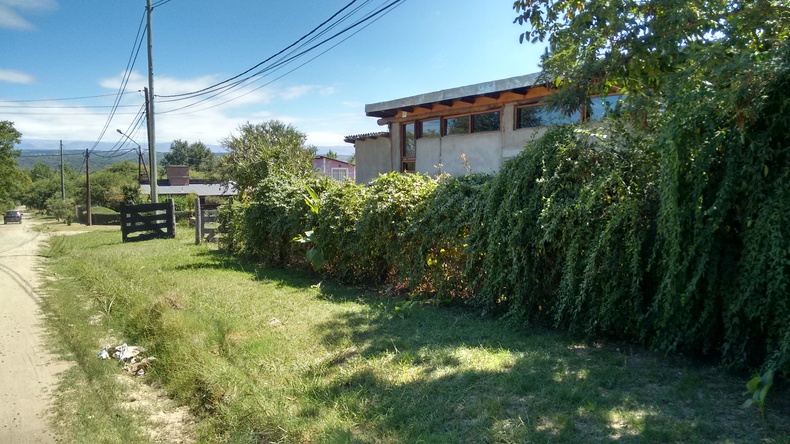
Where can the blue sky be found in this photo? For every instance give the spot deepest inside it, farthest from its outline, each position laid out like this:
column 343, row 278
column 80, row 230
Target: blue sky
column 55, row 49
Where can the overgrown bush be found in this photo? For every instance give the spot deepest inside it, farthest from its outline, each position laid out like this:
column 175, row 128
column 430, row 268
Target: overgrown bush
column 566, row 233
column 387, row 214
column 438, row 237
column 340, row 207
column 265, row 228
column 723, row 250
column 674, row 231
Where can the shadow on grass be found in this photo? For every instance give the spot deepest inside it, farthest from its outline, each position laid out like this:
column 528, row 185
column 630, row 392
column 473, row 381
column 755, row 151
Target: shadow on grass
column 220, row 261
column 442, row 375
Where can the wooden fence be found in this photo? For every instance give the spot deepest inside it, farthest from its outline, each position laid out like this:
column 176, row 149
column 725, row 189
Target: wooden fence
column 206, row 224
column 153, row 221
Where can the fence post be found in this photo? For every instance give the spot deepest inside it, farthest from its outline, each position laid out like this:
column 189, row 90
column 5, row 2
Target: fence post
column 198, row 221
column 171, row 220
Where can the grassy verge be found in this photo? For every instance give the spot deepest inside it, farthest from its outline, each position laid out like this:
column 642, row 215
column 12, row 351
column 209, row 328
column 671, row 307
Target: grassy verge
column 263, row 355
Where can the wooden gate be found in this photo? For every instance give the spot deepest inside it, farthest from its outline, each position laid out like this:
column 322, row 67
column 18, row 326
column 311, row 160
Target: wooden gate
column 205, row 224
column 153, row 221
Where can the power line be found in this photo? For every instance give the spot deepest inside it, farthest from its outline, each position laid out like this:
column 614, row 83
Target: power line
column 206, row 89
column 64, row 98
column 125, row 79
column 32, row 156
column 160, row 3
column 374, row 16
column 277, row 67
column 66, row 107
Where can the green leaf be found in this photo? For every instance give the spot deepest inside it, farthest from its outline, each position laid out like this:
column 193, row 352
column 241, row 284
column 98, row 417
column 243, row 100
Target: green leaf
column 753, row 384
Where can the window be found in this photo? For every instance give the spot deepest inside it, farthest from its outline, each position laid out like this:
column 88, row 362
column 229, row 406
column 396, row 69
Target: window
column 456, row 125
column 601, row 106
column 339, row 173
column 475, row 123
column 408, row 141
column 534, row 116
column 485, row 122
column 430, row 128
column 408, row 148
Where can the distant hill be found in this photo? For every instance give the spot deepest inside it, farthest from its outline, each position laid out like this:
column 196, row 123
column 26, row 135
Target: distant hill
column 48, row 153
column 75, row 159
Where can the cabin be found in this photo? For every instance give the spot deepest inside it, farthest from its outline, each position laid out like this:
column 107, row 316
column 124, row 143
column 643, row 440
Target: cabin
column 178, row 183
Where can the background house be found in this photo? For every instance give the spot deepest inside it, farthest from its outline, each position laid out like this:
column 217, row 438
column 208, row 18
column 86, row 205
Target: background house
column 476, row 127
column 178, row 183
column 334, row 168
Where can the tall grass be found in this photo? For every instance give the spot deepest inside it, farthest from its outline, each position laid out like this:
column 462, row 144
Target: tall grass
column 262, row 355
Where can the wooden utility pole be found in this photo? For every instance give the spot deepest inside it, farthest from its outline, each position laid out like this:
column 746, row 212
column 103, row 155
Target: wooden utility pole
column 150, row 109
column 88, row 187
column 62, row 175
column 151, row 152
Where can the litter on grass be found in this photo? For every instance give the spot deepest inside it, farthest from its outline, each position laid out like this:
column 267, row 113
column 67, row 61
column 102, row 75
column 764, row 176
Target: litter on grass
column 129, row 355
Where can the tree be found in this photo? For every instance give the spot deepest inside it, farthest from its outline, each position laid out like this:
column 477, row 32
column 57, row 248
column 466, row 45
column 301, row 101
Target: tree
column 12, row 179
column 647, row 48
column 710, row 82
column 46, row 184
column 196, row 155
column 261, row 150
column 331, row 154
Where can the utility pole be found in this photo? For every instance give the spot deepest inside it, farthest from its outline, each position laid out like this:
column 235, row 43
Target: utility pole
column 62, row 175
column 150, row 111
column 151, row 153
column 140, row 161
column 88, row 186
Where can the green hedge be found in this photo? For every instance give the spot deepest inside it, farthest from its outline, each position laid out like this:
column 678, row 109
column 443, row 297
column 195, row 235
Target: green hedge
column 676, row 236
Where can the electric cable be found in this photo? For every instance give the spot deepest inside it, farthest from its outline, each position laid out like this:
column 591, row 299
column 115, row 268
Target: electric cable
column 374, row 16
column 261, row 63
column 277, row 78
column 125, row 79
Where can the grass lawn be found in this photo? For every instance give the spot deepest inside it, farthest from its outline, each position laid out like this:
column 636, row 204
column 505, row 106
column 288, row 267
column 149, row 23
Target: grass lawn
column 262, row 355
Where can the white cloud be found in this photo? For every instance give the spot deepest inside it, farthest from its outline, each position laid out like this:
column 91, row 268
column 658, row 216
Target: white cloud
column 210, row 121
column 10, row 12
column 294, row 92
column 11, row 76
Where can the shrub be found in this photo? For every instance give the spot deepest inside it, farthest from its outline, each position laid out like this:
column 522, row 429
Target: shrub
column 264, row 229
column 438, row 237
column 340, row 207
column 386, row 215
column 566, row 233
column 723, row 250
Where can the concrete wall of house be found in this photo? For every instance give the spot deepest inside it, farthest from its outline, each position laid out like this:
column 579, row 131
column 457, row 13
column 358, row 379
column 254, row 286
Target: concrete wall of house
column 429, row 156
column 373, row 156
column 482, row 151
column 485, row 152
column 514, row 140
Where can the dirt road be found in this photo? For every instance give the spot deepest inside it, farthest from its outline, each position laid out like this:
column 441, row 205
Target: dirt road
column 28, row 372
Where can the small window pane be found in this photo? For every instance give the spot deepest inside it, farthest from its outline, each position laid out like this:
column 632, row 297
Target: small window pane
column 409, row 148
column 533, row 116
column 600, row 106
column 430, row 128
column 457, row 125
column 339, row 173
column 529, row 117
column 485, row 122
column 408, row 167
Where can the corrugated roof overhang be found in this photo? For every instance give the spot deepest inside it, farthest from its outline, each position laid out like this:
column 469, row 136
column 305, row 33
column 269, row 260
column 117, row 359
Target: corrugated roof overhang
column 354, row 138
column 446, row 97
